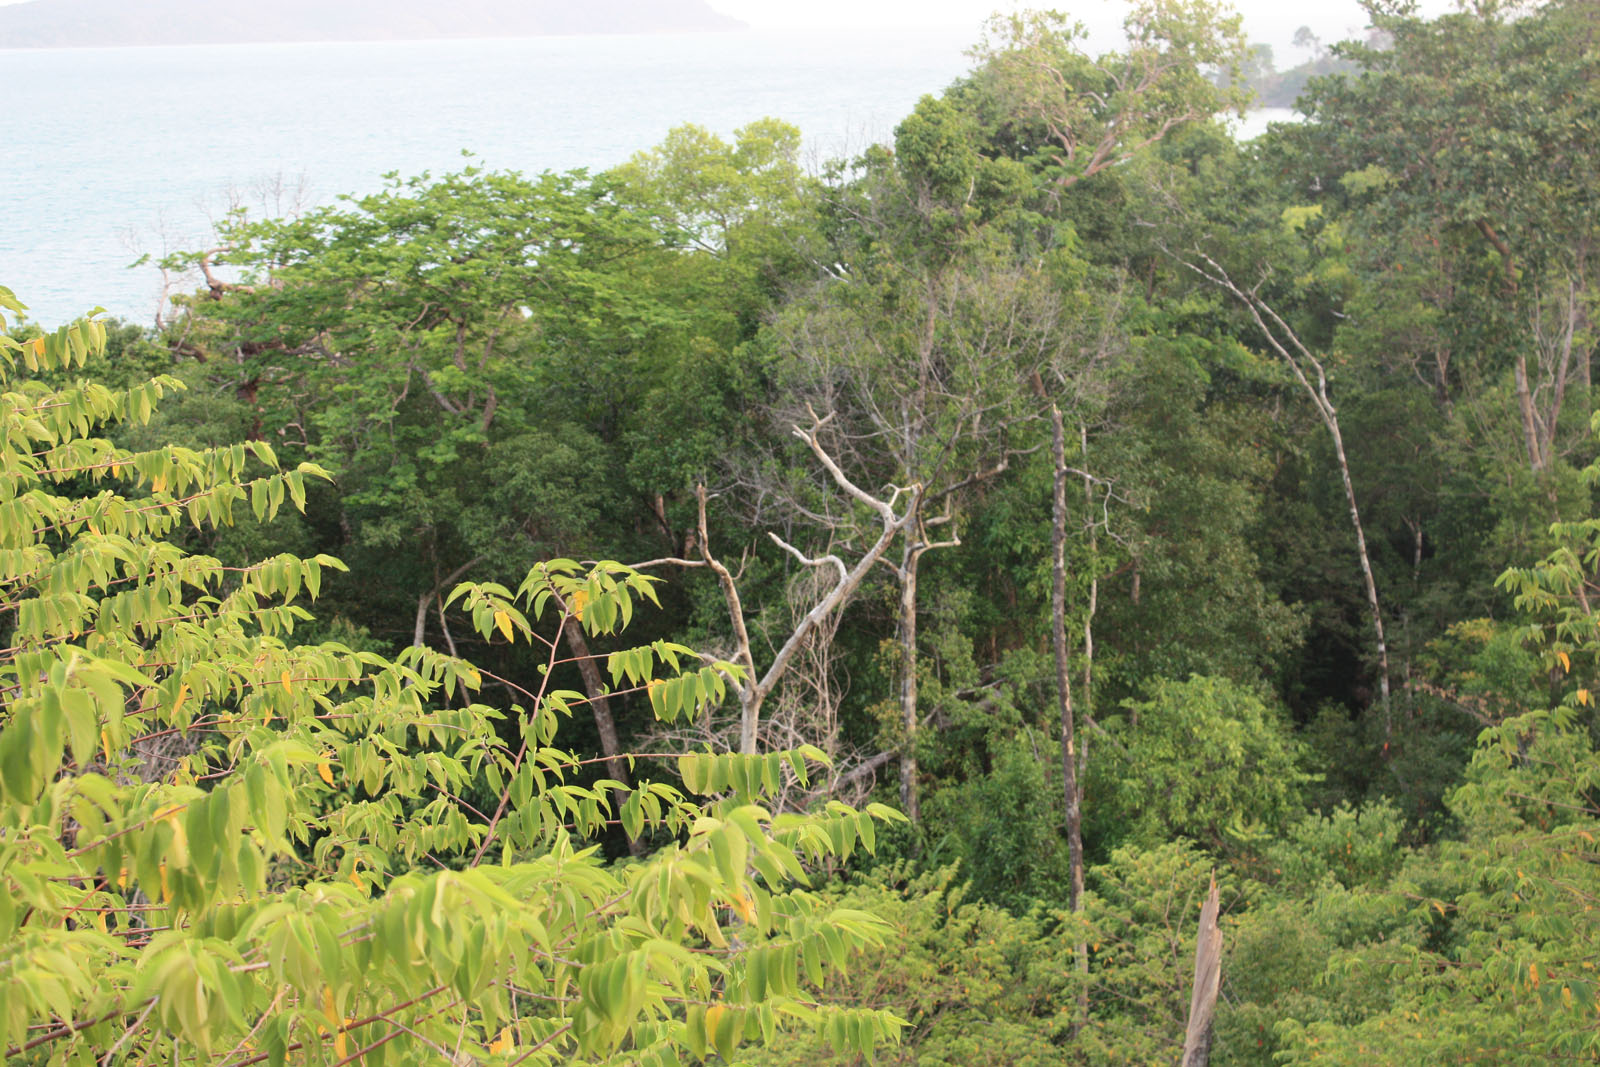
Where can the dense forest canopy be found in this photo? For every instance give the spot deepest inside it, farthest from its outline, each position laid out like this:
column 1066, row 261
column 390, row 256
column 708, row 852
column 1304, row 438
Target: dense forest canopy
column 1103, row 507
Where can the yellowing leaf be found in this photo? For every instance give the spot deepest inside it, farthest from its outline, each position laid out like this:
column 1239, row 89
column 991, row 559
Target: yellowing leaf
column 579, row 600
column 1566, row 996
column 166, row 889
column 503, row 1043
column 288, row 682
column 744, row 906
column 503, row 621
column 325, row 771
column 330, row 1008
column 1566, row 664
column 183, row 694
column 1533, row 975
column 159, row 483
column 1584, row 697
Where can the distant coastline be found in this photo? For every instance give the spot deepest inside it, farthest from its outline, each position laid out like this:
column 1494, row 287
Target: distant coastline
column 118, row 24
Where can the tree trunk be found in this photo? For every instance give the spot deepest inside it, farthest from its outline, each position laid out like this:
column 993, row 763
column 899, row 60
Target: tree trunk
column 1282, row 338
column 908, row 680
column 604, row 723
column 419, row 629
column 1366, row 572
column 1069, row 756
column 1093, row 607
column 1530, row 420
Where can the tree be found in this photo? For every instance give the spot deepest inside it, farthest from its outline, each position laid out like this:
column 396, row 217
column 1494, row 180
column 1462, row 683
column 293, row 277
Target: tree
column 1466, row 156
column 220, row 843
column 1198, row 759
column 417, row 342
column 922, row 346
column 1073, row 115
column 752, row 686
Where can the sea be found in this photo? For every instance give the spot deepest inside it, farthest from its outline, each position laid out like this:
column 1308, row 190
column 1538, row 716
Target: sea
column 114, row 154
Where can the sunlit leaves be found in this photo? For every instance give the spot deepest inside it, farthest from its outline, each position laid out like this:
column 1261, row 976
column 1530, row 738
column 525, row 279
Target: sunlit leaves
column 216, row 841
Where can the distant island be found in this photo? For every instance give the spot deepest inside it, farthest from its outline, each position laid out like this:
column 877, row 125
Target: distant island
column 114, row 23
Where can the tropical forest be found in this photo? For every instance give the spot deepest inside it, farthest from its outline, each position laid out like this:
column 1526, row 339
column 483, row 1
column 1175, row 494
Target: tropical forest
column 1065, row 585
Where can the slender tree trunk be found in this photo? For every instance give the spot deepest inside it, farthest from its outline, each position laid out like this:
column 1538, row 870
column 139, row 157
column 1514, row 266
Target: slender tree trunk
column 600, row 706
column 419, row 629
column 1094, row 606
column 1530, row 420
column 1069, row 756
column 909, row 559
column 1366, row 572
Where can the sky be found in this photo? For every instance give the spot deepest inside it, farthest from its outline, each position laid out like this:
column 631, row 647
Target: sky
column 1269, row 21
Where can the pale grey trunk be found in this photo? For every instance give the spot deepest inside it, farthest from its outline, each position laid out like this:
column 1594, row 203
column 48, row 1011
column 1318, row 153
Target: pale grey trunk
column 1282, row 338
column 1366, row 571
column 1069, row 756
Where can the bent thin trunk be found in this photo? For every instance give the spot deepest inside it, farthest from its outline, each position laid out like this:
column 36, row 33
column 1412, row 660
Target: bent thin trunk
column 1284, row 341
column 1366, row 572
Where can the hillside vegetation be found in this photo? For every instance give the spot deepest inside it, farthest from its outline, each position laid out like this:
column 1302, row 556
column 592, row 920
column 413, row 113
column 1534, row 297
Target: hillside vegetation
column 713, row 610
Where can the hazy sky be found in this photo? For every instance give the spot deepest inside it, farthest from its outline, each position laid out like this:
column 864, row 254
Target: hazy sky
column 1272, row 21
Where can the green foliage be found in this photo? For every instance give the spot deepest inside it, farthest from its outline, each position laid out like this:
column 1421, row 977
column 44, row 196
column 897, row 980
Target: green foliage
column 1071, row 115
column 1353, row 847
column 216, row 842
column 1139, row 922
column 1004, row 826
column 1204, row 759
column 973, row 981
column 232, row 832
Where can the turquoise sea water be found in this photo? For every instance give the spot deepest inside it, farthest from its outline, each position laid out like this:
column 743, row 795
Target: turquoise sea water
column 109, row 153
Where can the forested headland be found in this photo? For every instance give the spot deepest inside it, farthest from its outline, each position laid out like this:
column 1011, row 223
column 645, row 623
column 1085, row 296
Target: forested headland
column 720, row 610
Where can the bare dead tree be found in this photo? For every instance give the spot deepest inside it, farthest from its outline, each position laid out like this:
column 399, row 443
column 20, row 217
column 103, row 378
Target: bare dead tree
column 1558, row 328
column 933, row 393
column 894, row 512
